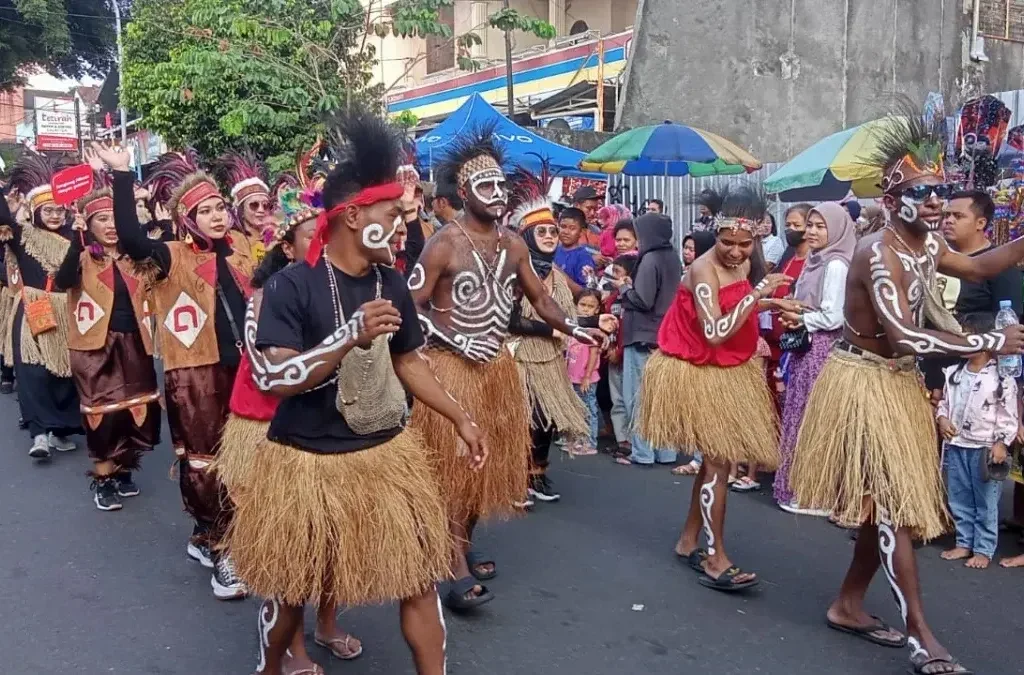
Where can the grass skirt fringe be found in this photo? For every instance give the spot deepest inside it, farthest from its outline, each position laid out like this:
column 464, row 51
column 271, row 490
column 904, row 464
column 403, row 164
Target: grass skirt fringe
column 493, row 396
column 550, row 392
column 236, row 449
column 727, row 413
column 869, row 430
column 358, row 528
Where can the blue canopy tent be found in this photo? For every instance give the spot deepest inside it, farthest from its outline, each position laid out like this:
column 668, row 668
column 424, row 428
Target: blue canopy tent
column 522, row 147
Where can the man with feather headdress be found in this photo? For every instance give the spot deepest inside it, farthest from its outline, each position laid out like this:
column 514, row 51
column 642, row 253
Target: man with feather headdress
column 866, row 448
column 36, row 336
column 465, row 287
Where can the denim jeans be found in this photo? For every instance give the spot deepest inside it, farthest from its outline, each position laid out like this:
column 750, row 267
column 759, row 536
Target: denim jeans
column 974, row 502
column 589, row 399
column 634, row 360
column 620, row 417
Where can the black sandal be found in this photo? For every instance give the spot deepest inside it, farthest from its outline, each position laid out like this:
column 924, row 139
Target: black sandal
column 695, row 559
column 921, row 661
column 725, row 581
column 455, row 599
column 865, row 632
column 475, row 559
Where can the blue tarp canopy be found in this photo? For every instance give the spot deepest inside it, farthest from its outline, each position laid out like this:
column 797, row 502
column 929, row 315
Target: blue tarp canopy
column 522, row 147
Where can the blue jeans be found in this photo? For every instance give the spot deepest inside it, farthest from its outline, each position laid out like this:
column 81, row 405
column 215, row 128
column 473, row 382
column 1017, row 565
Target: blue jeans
column 589, row 399
column 974, row 502
column 634, row 360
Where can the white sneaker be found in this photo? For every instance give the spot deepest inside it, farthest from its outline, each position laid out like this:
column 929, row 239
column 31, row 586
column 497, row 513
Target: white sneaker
column 225, row 582
column 61, row 444
column 794, row 508
column 40, row 447
column 201, row 554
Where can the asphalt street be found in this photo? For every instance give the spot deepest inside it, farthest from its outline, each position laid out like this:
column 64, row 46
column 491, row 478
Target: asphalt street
column 588, row 586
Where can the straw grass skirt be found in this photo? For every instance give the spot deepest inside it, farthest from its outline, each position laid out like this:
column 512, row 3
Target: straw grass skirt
column 550, row 393
column 493, row 396
column 357, row 528
column 869, row 430
column 727, row 413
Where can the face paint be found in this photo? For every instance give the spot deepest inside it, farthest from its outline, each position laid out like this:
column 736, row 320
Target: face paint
column 493, row 177
column 375, row 237
column 908, row 209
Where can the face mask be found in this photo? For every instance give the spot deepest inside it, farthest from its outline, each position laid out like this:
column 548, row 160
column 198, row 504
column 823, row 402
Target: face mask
column 794, row 237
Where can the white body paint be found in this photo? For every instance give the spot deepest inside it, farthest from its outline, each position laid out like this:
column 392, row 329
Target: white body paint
column 493, row 176
column 707, row 502
column 270, row 611
column 723, row 326
column 376, row 237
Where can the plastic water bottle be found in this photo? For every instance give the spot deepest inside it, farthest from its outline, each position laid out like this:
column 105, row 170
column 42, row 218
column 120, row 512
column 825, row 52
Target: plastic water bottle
column 1009, row 364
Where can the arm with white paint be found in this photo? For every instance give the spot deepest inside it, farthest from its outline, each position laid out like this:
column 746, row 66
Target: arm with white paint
column 889, row 299
column 718, row 326
column 979, row 267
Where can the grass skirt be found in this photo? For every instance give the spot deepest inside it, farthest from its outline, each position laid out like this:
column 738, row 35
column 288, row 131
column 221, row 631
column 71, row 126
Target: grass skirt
column 725, row 412
column 358, row 528
column 551, row 394
column 869, row 430
column 493, row 396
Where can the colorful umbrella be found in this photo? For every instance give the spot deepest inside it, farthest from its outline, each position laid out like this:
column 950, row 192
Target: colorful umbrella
column 669, row 150
column 832, row 167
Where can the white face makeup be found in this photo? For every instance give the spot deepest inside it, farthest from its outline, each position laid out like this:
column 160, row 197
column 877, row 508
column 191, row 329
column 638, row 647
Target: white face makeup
column 376, row 237
column 488, row 185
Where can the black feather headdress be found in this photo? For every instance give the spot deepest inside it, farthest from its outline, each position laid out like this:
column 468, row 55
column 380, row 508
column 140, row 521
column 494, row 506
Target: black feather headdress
column 473, row 145
column 362, row 151
column 907, row 144
column 745, row 201
column 31, row 177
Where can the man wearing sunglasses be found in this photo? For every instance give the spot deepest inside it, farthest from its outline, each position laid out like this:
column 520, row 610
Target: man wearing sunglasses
column 867, row 444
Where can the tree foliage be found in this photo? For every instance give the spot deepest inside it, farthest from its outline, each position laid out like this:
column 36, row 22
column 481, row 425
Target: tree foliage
column 264, row 74
column 68, row 38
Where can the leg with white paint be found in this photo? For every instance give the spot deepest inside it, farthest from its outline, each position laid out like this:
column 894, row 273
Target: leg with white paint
column 689, row 538
column 277, row 625
column 719, row 572
column 424, row 631
column 899, row 563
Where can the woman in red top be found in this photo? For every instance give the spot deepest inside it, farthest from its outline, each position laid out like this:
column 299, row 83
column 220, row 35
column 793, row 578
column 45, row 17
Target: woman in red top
column 705, row 389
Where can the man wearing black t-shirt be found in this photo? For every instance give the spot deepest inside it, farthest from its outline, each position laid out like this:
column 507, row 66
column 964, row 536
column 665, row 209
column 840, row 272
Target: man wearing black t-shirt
column 342, row 502
column 967, row 215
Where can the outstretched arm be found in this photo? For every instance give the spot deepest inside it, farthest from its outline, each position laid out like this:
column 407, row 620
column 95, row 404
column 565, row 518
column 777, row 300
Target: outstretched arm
column 547, row 308
column 719, row 327
column 889, row 300
column 979, row 267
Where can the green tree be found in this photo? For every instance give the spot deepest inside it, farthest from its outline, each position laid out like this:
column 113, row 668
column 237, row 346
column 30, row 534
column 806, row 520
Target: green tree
column 68, row 38
column 264, row 74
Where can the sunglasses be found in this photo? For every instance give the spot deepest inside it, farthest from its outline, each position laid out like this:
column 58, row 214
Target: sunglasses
column 920, row 193
column 258, row 206
column 546, row 230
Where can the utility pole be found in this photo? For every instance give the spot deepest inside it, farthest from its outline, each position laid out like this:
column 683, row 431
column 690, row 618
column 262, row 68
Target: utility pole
column 508, row 72
column 120, row 74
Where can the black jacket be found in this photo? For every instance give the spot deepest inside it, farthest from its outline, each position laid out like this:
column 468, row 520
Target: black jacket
column 655, row 282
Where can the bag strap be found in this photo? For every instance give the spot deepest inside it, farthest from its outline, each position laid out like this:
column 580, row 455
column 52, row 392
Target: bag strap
column 231, row 318
column 49, row 283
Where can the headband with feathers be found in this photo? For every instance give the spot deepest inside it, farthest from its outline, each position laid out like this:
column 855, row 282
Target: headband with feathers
column 744, row 206
column 31, row 176
column 362, row 151
column 244, row 174
column 478, row 143
column 178, row 181
column 909, row 144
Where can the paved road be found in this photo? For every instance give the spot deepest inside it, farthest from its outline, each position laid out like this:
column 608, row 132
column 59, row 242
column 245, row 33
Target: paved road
column 92, row 593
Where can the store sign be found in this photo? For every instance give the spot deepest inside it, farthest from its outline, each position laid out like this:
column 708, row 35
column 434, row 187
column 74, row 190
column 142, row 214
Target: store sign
column 56, row 130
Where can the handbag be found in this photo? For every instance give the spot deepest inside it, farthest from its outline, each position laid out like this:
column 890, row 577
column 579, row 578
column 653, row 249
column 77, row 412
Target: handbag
column 795, row 341
column 39, row 312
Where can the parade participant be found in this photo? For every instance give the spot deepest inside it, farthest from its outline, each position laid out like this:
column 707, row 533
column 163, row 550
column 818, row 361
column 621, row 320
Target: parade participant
column 200, row 289
column 36, row 339
column 464, row 286
column 867, row 446
column 111, row 349
column 704, row 388
column 246, row 179
column 539, row 352
column 356, row 511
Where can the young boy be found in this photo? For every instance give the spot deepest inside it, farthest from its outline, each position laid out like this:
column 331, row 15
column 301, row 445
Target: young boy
column 977, row 415
column 571, row 256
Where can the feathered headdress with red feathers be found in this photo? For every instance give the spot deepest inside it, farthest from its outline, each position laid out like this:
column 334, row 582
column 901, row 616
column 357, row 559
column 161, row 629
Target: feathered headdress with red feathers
column 528, row 201
column 244, row 174
column 180, row 183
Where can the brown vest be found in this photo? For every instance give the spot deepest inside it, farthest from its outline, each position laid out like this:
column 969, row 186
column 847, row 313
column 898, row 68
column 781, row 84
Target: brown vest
column 92, row 302
column 186, row 302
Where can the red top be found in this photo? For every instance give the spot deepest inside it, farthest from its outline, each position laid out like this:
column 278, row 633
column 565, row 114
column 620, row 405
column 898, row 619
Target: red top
column 682, row 332
column 246, row 400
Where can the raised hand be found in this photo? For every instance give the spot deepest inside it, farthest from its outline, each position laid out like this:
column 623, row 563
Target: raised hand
column 115, row 158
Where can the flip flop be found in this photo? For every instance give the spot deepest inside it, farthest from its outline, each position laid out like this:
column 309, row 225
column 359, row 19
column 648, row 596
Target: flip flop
column 475, row 559
column 695, row 560
column 455, row 599
column 725, row 582
column 689, row 469
column 865, row 632
column 337, row 653
column 745, row 485
column 922, row 660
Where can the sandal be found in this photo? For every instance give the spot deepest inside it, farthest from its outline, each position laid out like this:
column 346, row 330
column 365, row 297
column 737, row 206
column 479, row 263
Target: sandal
column 921, row 660
column 475, row 560
column 745, row 484
column 690, row 469
column 725, row 581
column 344, row 651
column 315, row 670
column 867, row 632
column 455, row 599
column 695, row 560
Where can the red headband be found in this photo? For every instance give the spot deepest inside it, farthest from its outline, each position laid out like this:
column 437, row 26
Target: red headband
column 97, row 205
column 365, row 197
column 200, row 192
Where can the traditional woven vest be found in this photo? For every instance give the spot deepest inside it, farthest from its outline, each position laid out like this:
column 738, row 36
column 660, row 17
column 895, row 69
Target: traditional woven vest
column 186, row 302
column 91, row 304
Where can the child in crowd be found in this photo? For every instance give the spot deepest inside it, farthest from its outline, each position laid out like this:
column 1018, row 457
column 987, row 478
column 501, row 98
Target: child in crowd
column 625, row 245
column 622, row 268
column 977, row 418
column 571, row 256
column 584, row 360
column 611, row 216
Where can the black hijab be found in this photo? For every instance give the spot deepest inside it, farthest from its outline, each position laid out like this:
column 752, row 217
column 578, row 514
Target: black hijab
column 542, row 262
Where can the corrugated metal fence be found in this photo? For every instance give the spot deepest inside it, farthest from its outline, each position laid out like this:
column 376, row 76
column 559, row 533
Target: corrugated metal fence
column 678, row 193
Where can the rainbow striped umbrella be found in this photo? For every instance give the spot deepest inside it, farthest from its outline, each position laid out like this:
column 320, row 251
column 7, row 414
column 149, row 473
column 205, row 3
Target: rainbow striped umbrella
column 670, row 150
column 833, row 167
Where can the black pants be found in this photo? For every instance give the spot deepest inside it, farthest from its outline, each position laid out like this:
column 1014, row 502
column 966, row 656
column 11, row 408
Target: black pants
column 6, row 374
column 541, row 436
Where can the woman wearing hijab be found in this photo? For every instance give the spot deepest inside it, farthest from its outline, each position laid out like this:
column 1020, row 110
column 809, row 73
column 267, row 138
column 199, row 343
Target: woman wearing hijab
column 814, row 327
column 539, row 351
